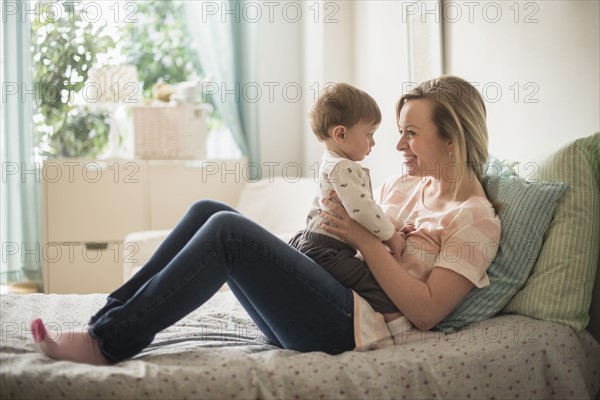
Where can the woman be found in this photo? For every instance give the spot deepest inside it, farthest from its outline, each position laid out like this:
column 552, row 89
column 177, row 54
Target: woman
column 295, row 303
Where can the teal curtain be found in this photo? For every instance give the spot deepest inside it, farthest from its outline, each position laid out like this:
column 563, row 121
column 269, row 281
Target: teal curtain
column 225, row 46
column 20, row 187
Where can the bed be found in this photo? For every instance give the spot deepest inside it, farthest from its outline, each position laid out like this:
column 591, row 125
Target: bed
column 534, row 347
column 217, row 352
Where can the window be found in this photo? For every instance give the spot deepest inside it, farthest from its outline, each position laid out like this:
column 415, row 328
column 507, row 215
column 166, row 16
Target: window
column 70, row 38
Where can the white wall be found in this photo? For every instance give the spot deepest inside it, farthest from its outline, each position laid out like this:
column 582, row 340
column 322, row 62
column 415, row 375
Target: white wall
column 338, row 43
column 557, row 56
column 362, row 43
column 329, row 48
column 279, row 74
column 302, row 52
column 381, row 69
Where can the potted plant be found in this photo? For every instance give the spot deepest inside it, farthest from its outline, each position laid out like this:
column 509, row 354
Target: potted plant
column 65, row 45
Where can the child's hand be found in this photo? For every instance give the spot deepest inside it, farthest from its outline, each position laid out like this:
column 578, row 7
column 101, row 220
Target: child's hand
column 406, row 229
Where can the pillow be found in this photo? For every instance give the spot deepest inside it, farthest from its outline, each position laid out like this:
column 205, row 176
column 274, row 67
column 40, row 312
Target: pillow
column 560, row 286
column 526, row 209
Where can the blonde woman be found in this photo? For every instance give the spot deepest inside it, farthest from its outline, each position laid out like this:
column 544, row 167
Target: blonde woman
column 442, row 127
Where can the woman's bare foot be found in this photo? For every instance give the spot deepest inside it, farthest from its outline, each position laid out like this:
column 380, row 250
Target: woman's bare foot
column 77, row 346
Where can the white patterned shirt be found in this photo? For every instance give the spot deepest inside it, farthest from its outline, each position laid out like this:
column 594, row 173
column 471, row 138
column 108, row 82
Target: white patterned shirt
column 352, row 184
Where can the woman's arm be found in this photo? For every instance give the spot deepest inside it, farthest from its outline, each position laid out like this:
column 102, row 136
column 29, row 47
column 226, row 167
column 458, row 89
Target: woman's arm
column 425, row 304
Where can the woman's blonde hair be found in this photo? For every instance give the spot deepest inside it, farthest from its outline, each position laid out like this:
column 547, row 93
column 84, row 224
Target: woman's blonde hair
column 460, row 116
column 342, row 104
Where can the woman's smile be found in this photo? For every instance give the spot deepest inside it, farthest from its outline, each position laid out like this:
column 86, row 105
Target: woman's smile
column 410, row 159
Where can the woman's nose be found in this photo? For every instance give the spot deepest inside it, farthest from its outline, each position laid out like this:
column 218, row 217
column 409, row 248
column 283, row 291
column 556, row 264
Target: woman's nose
column 401, row 144
column 402, row 141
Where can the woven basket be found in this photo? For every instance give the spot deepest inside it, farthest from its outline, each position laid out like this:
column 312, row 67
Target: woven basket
column 170, row 131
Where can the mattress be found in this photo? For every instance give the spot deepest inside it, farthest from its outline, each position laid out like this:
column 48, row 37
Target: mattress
column 217, row 352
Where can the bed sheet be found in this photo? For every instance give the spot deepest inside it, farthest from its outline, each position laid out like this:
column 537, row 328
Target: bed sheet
column 217, row 352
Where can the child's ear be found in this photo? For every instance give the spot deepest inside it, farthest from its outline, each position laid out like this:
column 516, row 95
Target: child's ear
column 338, row 133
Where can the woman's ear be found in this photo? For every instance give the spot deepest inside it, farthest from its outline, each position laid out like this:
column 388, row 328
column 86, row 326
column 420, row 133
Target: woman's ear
column 338, row 133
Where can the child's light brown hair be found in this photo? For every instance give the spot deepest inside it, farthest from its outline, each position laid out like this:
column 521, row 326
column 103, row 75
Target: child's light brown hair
column 342, row 104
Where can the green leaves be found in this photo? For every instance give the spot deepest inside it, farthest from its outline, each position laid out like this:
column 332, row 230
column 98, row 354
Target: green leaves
column 160, row 44
column 83, row 132
column 64, row 48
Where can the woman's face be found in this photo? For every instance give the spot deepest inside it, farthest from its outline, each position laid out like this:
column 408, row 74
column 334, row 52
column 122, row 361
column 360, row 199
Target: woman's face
column 425, row 152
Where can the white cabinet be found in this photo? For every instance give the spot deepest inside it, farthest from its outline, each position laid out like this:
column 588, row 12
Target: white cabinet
column 90, row 206
column 83, row 267
column 94, row 200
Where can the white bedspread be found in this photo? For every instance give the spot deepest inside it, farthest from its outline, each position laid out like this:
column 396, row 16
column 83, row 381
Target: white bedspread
column 216, row 352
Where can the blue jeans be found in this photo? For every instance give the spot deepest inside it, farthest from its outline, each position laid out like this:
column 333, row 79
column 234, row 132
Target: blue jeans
column 295, row 303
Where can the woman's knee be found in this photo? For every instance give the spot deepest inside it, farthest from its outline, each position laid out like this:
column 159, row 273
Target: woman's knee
column 228, row 218
column 226, row 225
column 208, row 206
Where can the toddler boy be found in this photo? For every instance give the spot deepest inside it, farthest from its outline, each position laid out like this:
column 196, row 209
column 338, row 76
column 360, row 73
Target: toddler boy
column 345, row 119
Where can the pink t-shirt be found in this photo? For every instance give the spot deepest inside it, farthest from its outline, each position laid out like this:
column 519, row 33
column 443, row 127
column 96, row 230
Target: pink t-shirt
column 464, row 240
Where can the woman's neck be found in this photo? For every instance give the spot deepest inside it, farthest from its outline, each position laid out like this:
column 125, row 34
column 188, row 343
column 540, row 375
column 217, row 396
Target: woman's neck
column 443, row 191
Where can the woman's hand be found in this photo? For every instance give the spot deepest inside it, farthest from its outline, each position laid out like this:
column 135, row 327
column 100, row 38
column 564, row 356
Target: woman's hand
column 425, row 304
column 339, row 223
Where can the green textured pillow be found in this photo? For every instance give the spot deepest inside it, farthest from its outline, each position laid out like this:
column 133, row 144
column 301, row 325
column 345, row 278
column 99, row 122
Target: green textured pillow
column 560, row 286
column 526, row 210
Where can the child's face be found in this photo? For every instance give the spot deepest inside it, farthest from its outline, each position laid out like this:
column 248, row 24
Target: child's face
column 358, row 141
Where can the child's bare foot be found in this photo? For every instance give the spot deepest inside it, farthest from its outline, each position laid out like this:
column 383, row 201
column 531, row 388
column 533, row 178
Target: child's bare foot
column 77, row 346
